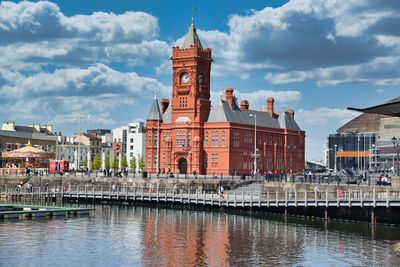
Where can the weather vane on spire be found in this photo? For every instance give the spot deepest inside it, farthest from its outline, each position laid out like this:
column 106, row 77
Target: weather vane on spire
column 193, row 11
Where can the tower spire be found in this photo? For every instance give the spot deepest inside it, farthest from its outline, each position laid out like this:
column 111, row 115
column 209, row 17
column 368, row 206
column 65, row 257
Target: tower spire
column 193, row 11
column 191, row 37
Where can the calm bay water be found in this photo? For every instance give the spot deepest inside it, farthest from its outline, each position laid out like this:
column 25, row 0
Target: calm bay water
column 149, row 236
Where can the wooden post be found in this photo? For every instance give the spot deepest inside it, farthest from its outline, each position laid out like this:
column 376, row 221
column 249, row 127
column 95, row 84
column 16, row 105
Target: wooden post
column 387, row 197
column 295, row 197
column 286, row 200
column 349, row 198
column 158, row 192
column 267, row 197
column 374, row 198
column 373, row 217
column 326, row 217
column 337, row 198
column 361, row 198
column 242, row 198
column 326, row 198
column 276, row 198
column 305, row 198
column 251, row 197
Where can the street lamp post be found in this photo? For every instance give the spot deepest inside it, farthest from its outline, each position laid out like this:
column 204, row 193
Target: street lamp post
column 373, row 157
column 396, row 145
column 334, row 168
column 291, row 149
column 255, row 142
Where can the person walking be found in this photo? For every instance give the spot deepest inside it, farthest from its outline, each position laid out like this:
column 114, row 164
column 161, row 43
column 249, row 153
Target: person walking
column 316, row 190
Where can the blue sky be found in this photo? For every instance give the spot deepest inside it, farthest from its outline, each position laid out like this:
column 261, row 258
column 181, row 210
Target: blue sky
column 101, row 60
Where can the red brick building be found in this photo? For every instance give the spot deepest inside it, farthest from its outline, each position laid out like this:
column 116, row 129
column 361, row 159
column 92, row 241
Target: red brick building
column 195, row 137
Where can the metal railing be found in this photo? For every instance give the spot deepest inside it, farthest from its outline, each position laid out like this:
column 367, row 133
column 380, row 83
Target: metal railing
column 196, row 193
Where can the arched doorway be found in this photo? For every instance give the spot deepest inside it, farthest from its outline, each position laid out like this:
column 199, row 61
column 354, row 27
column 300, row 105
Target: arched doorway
column 182, row 166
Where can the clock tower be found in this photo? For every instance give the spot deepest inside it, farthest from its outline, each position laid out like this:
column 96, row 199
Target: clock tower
column 191, row 65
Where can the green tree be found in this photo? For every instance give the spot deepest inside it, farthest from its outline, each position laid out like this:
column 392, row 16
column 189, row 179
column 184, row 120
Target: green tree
column 124, row 162
column 142, row 163
column 97, row 162
column 115, row 163
column 107, row 161
column 85, row 162
column 132, row 163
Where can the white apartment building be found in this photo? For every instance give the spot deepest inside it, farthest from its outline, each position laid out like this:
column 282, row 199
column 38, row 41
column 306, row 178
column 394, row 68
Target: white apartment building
column 69, row 150
column 132, row 137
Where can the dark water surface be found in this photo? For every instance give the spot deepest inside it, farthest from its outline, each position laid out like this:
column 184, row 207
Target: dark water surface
column 149, row 236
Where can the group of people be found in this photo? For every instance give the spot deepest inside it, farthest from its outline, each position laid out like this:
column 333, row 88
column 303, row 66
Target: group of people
column 116, row 173
column 381, row 180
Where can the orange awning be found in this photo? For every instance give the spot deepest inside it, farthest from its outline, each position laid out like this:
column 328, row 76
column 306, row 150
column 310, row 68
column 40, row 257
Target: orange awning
column 352, row 154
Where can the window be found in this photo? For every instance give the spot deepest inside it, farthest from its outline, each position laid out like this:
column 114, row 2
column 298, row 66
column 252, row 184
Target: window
column 180, row 138
column 131, row 154
column 236, row 139
column 214, row 138
column 149, row 139
column 183, row 101
column 223, row 138
column 155, row 139
column 248, row 138
column 206, row 138
column 131, row 140
column 131, row 147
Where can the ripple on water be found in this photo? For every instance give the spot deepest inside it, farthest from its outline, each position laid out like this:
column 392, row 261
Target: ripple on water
column 136, row 236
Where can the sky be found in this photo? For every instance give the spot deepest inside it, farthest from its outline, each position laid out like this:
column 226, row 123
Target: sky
column 95, row 64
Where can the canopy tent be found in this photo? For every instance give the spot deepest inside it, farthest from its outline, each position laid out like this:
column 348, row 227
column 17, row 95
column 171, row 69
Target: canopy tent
column 391, row 108
column 29, row 156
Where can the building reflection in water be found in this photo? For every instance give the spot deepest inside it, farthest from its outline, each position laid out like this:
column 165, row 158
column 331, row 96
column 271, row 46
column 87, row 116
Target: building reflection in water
column 188, row 238
column 182, row 238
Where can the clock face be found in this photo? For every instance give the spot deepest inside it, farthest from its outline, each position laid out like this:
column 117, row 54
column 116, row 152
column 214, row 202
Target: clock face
column 185, row 77
column 200, row 79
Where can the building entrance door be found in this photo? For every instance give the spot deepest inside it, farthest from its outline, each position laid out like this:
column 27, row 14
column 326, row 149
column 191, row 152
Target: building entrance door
column 182, row 166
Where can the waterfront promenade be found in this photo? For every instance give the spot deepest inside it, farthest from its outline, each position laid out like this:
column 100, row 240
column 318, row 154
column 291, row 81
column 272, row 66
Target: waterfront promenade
column 287, row 200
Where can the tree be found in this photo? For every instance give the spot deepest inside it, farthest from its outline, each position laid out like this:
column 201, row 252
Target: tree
column 97, row 162
column 85, row 162
column 115, row 163
column 142, row 164
column 107, row 163
column 124, row 162
column 132, row 163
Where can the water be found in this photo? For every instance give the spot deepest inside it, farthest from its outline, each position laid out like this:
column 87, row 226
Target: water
column 150, row 236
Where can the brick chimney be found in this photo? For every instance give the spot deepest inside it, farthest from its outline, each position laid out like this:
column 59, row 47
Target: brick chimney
column 244, row 105
column 229, row 97
column 270, row 106
column 164, row 104
column 290, row 112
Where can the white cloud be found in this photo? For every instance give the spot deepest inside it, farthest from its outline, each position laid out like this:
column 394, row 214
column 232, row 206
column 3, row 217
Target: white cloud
column 96, row 80
column 290, row 77
column 39, row 34
column 306, row 39
column 258, row 98
column 324, row 116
